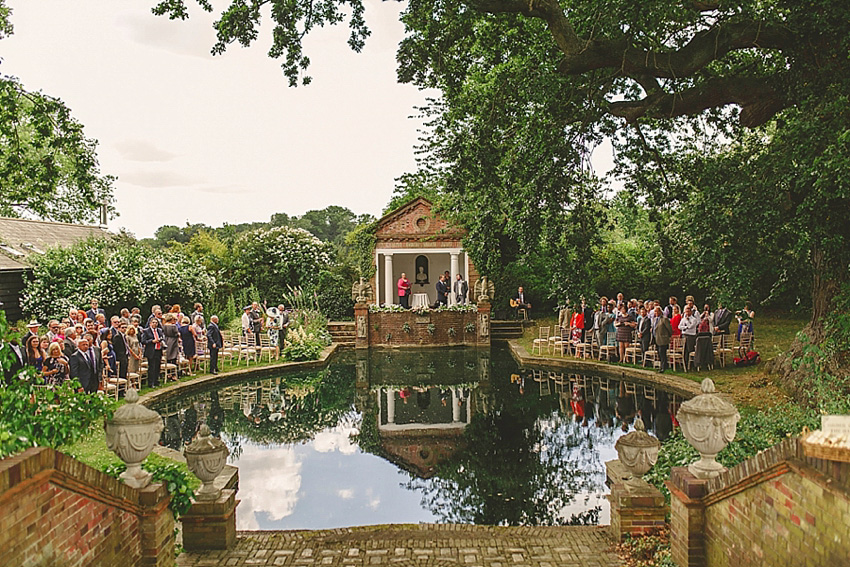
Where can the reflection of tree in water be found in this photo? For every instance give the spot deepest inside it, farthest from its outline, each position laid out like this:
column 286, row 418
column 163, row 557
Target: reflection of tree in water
column 516, row 470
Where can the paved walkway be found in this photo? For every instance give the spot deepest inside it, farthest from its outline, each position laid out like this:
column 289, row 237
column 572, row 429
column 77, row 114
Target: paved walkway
column 425, row 545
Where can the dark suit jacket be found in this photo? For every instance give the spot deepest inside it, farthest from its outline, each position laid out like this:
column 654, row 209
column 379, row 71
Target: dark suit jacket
column 442, row 291
column 645, row 330
column 118, row 344
column 146, row 339
column 92, row 314
column 16, row 362
column 663, row 332
column 214, row 339
column 68, row 348
column 723, row 320
column 82, row 370
column 588, row 318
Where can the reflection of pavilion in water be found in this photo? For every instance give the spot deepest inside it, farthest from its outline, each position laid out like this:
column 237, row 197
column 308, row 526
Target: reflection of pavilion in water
column 422, row 405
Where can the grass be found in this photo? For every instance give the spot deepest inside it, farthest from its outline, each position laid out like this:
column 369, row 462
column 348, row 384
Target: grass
column 749, row 386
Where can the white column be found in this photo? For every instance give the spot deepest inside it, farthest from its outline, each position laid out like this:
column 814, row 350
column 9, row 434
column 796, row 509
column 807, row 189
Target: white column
column 377, row 280
column 455, row 406
column 388, row 279
column 454, row 272
column 469, row 408
column 390, row 405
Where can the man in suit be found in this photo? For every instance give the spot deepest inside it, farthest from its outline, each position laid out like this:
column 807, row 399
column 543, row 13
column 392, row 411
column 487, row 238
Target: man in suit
column 588, row 318
column 92, row 313
column 442, row 291
column 601, row 321
column 16, row 362
column 461, row 289
column 119, row 345
column 32, row 331
column 214, row 343
column 152, row 340
column 69, row 345
column 521, row 300
column 86, row 366
column 644, row 330
column 663, row 333
column 668, row 311
column 722, row 319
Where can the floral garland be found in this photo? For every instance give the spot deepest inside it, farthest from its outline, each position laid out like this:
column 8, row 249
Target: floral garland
column 421, row 309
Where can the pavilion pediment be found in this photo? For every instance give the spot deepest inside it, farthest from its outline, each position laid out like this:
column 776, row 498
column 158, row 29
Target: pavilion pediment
column 416, row 221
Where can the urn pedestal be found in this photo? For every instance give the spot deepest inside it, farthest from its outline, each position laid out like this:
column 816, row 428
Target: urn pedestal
column 709, row 424
column 131, row 434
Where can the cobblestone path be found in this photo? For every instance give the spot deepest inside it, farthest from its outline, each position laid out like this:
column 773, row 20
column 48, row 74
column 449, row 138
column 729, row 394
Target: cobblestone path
column 425, row 545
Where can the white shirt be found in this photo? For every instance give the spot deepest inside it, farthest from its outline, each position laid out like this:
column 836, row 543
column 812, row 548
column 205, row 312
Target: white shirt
column 688, row 325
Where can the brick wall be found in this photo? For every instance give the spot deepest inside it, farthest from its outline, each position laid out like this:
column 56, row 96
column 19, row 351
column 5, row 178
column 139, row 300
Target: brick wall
column 388, row 329
column 779, row 508
column 55, row 510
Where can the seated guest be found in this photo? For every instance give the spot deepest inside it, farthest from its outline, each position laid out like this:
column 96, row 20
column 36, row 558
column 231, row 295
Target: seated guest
column 520, row 301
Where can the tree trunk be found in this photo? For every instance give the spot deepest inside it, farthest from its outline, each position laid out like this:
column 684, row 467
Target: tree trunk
column 826, row 284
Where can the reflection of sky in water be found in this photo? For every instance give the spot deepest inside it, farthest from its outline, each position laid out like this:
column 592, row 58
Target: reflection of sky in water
column 325, row 483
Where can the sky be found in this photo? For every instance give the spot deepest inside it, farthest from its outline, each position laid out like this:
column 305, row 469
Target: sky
column 196, row 138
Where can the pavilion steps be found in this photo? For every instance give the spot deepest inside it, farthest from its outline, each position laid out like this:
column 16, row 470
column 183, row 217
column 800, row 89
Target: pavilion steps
column 505, row 329
column 342, row 332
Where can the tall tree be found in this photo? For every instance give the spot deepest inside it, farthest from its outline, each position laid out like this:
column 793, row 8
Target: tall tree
column 48, row 167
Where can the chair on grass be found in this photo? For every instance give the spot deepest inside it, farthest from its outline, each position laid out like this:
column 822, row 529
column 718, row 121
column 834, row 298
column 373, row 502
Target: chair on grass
column 202, row 355
column 541, row 340
column 266, row 347
column 633, row 350
column 610, row 346
column 676, row 352
column 562, row 343
column 113, row 385
column 169, row 369
column 247, row 349
column 721, row 351
column 651, row 355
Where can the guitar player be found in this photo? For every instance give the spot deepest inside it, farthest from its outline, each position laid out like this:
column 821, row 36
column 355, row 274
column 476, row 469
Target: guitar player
column 520, row 301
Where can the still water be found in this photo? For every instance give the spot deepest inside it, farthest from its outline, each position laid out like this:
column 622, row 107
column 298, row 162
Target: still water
column 451, row 435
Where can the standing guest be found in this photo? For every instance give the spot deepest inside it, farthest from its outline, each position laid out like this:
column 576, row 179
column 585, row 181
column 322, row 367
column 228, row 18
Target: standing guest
column 32, row 331
column 72, row 314
column 663, row 334
column 187, row 338
column 55, row 370
column 34, row 354
column 601, row 320
column 152, row 340
column 668, row 311
column 107, row 352
column 284, row 324
column 100, row 321
column 69, row 343
column 689, row 326
column 86, row 367
column 246, row 321
column 624, row 324
column 53, row 331
column 403, row 286
column 644, row 331
column 722, row 319
column 17, row 360
column 172, row 338
column 119, row 344
column 745, row 319
column 675, row 320
column 214, row 343
column 461, row 290
column 134, row 350
column 43, row 343
column 81, row 316
column 156, row 313
column 125, row 315
column 587, row 311
column 198, row 312
column 95, row 310
column 256, row 321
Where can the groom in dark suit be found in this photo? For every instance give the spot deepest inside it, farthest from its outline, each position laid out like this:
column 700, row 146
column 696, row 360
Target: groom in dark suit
column 722, row 319
column 86, row 366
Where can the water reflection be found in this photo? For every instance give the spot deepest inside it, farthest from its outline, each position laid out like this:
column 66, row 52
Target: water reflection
column 408, row 436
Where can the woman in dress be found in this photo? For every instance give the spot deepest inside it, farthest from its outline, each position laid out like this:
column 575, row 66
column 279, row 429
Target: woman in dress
column 172, row 338
column 134, row 355
column 32, row 349
column 745, row 319
column 625, row 323
column 55, row 369
column 108, row 355
column 187, row 338
column 677, row 317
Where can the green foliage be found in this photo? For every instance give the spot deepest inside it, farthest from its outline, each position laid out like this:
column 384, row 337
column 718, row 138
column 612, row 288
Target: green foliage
column 432, row 328
column 361, row 245
column 118, row 272
column 406, row 327
column 757, row 430
column 176, row 481
column 333, row 292
column 652, row 550
column 469, row 327
column 276, row 259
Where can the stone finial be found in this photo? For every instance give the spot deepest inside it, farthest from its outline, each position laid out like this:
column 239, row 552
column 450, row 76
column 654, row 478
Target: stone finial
column 131, row 434
column 484, row 290
column 206, row 456
column 638, row 452
column 361, row 291
column 709, row 424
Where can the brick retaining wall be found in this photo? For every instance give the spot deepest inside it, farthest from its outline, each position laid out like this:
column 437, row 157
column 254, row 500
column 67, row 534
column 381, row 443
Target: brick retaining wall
column 54, row 510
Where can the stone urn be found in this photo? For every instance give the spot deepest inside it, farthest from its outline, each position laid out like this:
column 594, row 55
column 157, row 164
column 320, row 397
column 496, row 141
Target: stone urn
column 708, row 423
column 206, row 456
column 132, row 434
column 638, row 452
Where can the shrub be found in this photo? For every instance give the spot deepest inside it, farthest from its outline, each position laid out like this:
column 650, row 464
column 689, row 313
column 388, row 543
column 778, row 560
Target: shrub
column 176, row 482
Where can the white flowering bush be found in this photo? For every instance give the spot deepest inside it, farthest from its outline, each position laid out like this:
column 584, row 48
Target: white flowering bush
column 302, row 345
column 119, row 272
column 277, row 259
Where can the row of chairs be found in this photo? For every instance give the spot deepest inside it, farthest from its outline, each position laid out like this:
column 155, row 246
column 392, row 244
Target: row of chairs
column 563, row 344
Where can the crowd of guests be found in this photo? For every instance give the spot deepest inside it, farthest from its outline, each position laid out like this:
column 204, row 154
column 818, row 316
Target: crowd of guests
column 617, row 322
column 87, row 346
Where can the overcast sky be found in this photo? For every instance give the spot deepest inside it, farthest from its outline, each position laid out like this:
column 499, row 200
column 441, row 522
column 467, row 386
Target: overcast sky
column 197, row 138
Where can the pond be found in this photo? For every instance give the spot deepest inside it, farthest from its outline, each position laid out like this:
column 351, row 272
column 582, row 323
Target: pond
column 449, row 435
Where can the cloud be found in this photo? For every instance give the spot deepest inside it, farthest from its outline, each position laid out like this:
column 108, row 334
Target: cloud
column 193, row 38
column 336, row 439
column 270, row 485
column 140, row 150
column 346, row 494
column 155, row 179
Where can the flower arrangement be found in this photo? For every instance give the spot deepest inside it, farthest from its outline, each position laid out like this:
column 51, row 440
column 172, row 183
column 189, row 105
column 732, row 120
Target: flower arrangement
column 469, row 328
column 452, row 331
column 421, row 310
column 386, row 308
column 406, row 327
column 431, row 329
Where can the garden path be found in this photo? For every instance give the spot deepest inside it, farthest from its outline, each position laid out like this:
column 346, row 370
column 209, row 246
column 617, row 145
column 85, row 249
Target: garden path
column 428, row 545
